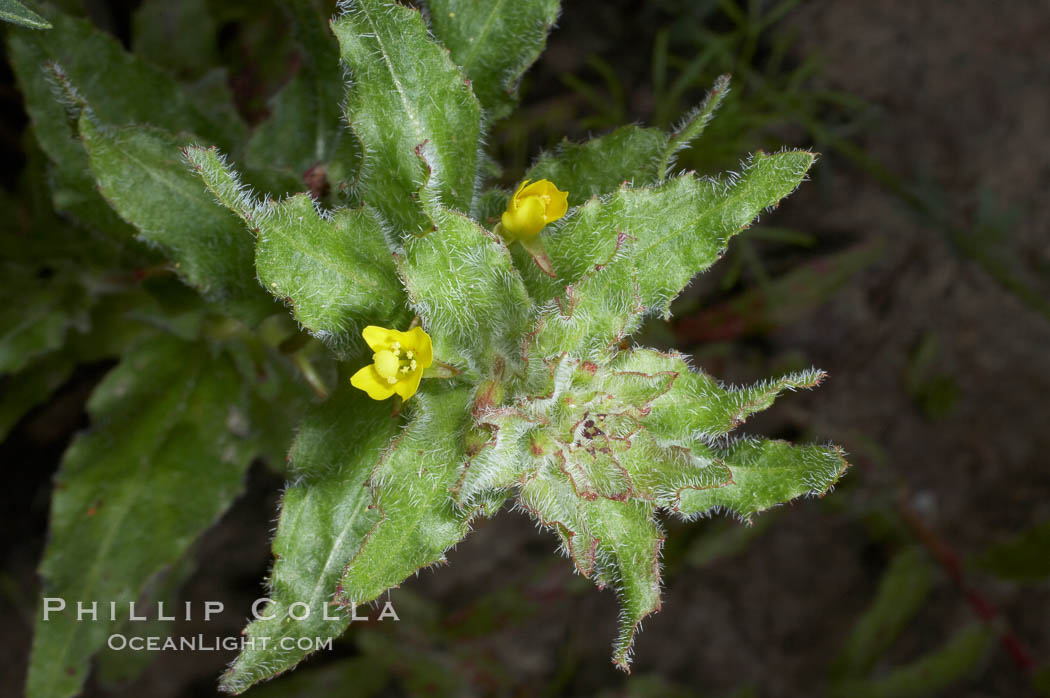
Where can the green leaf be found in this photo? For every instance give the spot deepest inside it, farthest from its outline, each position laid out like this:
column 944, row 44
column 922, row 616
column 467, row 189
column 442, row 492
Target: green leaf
column 665, row 234
column 141, row 174
column 460, row 279
column 592, row 318
column 121, row 88
column 412, row 111
column 498, row 458
column 495, row 43
column 167, row 450
column 699, row 408
column 278, row 396
column 117, row 667
column 335, row 270
column 367, row 674
column 410, row 484
column 325, row 516
column 633, row 253
column 586, row 423
column 1023, row 559
column 613, row 543
column 903, row 590
column 765, row 474
column 17, row 13
column 601, row 165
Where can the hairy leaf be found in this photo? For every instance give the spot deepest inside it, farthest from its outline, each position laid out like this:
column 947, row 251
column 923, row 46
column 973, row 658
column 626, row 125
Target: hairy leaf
column 410, row 485
column 699, row 408
column 165, row 456
column 336, row 270
column 495, row 43
column 693, row 124
column 633, row 253
column 612, row 542
column 665, row 234
column 765, row 474
column 461, row 280
column 601, row 165
column 141, row 174
column 411, row 109
column 325, row 516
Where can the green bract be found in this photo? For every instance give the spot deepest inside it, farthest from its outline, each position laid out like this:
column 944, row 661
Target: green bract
column 536, row 399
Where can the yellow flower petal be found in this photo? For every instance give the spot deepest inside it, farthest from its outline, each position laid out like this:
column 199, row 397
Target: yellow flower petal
column 558, row 206
column 379, row 338
column 407, row 388
column 526, row 218
column 397, row 364
column 372, row 383
column 537, row 188
column 419, row 342
column 517, row 192
column 533, row 206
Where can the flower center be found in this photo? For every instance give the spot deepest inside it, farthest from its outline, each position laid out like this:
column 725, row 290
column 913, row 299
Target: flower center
column 390, row 364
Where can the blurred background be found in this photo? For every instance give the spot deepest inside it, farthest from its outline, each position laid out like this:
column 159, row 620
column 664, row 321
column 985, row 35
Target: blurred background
column 914, row 268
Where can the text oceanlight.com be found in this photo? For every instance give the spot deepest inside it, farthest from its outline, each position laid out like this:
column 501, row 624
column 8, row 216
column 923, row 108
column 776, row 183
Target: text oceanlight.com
column 202, row 643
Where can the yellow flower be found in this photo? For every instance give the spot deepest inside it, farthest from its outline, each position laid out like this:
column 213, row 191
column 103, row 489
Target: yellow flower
column 532, row 207
column 397, row 364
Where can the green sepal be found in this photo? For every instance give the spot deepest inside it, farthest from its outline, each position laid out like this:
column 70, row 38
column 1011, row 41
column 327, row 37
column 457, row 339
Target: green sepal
column 536, row 249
